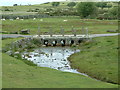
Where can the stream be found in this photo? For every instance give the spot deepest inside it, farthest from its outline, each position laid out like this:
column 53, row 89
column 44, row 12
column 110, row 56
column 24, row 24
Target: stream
column 52, row 57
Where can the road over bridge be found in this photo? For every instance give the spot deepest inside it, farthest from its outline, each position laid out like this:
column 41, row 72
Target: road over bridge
column 27, row 36
column 59, row 39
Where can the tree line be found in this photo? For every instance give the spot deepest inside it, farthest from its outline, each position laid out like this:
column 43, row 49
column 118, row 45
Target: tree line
column 101, row 10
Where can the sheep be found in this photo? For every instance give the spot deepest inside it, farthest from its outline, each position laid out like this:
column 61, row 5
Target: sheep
column 41, row 19
column 11, row 19
column 34, row 18
column 3, row 19
column 17, row 18
column 65, row 20
column 22, row 19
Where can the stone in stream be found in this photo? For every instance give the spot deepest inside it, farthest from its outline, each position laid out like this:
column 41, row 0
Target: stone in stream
column 15, row 56
column 66, row 51
column 9, row 52
column 59, row 67
column 64, row 60
column 16, row 52
column 29, row 56
column 66, row 66
column 35, row 55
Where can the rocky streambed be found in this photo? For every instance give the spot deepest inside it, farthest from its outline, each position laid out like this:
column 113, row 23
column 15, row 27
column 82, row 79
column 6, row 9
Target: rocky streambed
column 33, row 53
column 52, row 57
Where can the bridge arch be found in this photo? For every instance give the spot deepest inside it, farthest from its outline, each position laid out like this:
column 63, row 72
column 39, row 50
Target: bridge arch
column 80, row 40
column 46, row 42
column 71, row 42
column 62, row 42
column 54, row 42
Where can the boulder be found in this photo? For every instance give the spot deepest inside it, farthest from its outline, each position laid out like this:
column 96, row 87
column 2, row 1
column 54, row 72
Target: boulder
column 25, row 31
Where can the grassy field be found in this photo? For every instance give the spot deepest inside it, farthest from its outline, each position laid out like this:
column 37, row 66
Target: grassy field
column 98, row 59
column 94, row 26
column 22, row 10
column 17, row 74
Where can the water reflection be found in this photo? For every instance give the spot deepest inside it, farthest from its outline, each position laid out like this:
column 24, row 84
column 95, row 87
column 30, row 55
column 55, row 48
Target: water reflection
column 52, row 57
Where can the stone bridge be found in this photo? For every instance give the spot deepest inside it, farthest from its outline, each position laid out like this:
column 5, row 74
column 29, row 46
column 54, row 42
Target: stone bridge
column 60, row 40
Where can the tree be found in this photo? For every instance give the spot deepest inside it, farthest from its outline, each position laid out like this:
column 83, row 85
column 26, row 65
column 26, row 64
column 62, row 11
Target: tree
column 109, row 5
column 14, row 4
column 86, row 9
column 114, row 11
column 71, row 4
column 55, row 3
column 101, row 4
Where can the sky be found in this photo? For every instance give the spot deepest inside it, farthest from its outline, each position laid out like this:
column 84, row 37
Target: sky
column 26, row 2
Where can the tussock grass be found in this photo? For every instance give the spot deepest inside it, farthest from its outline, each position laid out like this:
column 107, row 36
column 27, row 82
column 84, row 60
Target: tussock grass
column 100, row 60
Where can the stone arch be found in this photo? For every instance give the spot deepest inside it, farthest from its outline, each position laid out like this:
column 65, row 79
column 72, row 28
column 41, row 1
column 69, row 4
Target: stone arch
column 62, row 41
column 46, row 42
column 80, row 40
column 54, row 42
column 71, row 42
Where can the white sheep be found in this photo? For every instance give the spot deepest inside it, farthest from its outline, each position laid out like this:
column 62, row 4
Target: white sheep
column 65, row 20
column 3, row 19
column 41, row 19
column 17, row 18
column 22, row 19
column 34, row 18
column 11, row 19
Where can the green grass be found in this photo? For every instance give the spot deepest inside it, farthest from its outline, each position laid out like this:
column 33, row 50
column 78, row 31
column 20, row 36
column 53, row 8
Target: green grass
column 94, row 26
column 17, row 74
column 22, row 10
column 0, row 73
column 98, row 59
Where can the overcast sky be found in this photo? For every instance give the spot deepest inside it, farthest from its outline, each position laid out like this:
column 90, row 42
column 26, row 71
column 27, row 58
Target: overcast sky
column 25, row 2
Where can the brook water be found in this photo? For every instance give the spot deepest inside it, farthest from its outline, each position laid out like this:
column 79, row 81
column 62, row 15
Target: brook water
column 52, row 57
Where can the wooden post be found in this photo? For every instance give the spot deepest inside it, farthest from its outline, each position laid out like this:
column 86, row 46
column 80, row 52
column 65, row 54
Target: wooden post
column 62, row 31
column 74, row 31
column 86, row 32
column 50, row 32
column 39, row 31
column 83, row 30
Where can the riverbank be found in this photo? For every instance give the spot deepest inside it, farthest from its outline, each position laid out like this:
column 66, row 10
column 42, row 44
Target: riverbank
column 17, row 74
column 98, row 59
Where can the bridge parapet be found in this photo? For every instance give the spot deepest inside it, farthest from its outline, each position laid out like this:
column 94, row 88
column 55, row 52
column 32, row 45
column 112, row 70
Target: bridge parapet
column 61, row 39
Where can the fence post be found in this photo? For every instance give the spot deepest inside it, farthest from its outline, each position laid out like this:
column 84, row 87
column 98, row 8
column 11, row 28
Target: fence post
column 50, row 31
column 86, row 32
column 39, row 31
column 74, row 31
column 62, row 31
column 83, row 32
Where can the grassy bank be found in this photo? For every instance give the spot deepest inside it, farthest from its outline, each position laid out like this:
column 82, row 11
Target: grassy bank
column 23, row 9
column 94, row 26
column 98, row 59
column 17, row 74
